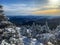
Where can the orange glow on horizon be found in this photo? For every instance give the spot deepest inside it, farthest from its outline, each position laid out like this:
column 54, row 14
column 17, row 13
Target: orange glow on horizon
column 50, row 11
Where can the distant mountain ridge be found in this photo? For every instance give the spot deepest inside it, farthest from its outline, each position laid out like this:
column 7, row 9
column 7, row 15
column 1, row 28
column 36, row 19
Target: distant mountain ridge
column 53, row 21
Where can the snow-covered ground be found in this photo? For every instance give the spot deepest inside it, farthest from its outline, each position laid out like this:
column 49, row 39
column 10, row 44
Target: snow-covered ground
column 18, row 39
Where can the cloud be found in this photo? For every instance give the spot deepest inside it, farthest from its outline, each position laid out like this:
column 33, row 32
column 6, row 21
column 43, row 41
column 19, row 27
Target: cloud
column 24, row 9
column 49, row 11
column 32, row 7
column 54, row 2
column 52, row 7
column 19, row 9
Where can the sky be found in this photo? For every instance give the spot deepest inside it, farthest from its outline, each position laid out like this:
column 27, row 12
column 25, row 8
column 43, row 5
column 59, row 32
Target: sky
column 31, row 7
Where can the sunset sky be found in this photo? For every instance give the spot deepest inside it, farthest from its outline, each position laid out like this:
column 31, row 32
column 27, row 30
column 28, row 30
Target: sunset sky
column 31, row 7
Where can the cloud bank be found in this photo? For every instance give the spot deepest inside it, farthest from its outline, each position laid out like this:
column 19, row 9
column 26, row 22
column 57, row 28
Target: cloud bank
column 31, row 7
